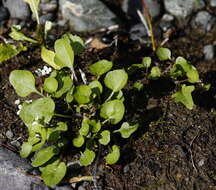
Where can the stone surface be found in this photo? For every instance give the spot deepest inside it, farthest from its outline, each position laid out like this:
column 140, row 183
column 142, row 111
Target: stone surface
column 12, row 176
column 182, row 8
column 17, row 9
column 4, row 15
column 47, row 17
column 130, row 7
column 208, row 51
column 203, row 20
column 86, row 15
column 65, row 187
column 213, row 3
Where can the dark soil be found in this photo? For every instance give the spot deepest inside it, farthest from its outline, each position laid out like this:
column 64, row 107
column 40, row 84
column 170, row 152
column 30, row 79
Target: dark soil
column 174, row 149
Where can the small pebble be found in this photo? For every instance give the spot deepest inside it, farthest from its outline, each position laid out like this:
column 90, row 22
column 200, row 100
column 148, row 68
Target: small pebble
column 201, row 163
column 208, row 51
column 17, row 102
column 126, row 169
column 9, row 134
column 65, row 187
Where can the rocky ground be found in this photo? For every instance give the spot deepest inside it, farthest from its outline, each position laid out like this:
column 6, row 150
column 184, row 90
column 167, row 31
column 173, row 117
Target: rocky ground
column 175, row 149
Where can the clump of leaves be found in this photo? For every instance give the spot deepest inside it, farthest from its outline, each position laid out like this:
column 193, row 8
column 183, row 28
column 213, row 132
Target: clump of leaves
column 100, row 103
column 178, row 69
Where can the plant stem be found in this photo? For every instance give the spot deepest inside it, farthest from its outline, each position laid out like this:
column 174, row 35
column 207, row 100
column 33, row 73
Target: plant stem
column 110, row 96
column 61, row 115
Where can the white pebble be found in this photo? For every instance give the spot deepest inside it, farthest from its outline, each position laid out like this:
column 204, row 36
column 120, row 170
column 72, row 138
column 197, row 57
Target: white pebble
column 17, row 102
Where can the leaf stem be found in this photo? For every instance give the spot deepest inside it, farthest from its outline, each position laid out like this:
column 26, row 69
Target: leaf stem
column 110, row 96
column 61, row 115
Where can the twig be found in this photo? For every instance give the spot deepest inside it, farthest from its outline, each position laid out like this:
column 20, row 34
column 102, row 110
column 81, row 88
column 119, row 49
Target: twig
column 191, row 153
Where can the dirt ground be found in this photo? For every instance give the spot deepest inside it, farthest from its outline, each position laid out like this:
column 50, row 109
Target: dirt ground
column 174, row 149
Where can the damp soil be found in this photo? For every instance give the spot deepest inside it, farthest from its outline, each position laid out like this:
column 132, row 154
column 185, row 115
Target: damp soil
column 174, row 148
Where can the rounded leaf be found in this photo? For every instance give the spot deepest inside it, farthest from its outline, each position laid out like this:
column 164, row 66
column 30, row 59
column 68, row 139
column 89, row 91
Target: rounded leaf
column 82, row 94
column 116, row 80
column 44, row 155
column 96, row 87
column 25, row 150
column 193, row 75
column 100, row 67
column 105, row 137
column 114, row 156
column 163, row 54
column 87, row 157
column 23, row 82
column 126, row 129
column 113, row 110
column 53, row 173
column 50, row 85
column 78, row 141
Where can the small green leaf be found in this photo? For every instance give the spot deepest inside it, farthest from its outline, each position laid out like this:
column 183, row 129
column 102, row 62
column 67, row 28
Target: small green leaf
column 64, row 56
column 193, row 75
column 48, row 57
column 78, row 141
column 37, row 136
column 87, row 157
column 126, row 129
column 163, row 54
column 8, row 51
column 25, row 150
column 116, row 80
column 82, row 94
column 23, row 82
column 76, row 42
column 113, row 110
column 34, row 5
column 64, row 85
column 44, row 155
column 53, row 133
column 42, row 108
column 146, row 62
column 114, row 156
column 105, row 137
column 16, row 35
column 100, row 67
column 69, row 96
column 96, row 87
column 184, row 96
column 138, row 86
column 53, row 173
column 84, row 130
column 155, row 73
column 96, row 126
column 50, row 85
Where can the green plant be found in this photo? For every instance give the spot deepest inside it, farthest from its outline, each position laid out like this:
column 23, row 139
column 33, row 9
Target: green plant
column 99, row 104
column 183, row 74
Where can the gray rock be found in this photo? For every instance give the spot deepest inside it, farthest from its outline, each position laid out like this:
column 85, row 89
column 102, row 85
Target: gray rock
column 130, row 7
column 182, row 8
column 4, row 15
column 65, row 187
column 12, row 176
column 166, row 22
column 213, row 3
column 17, row 9
column 86, row 15
column 46, row 17
column 48, row 6
column 203, row 20
column 81, row 188
column 9, row 134
column 208, row 51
